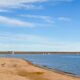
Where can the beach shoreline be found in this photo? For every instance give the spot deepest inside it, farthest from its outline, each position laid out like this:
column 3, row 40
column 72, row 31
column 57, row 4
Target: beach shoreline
column 21, row 69
column 53, row 70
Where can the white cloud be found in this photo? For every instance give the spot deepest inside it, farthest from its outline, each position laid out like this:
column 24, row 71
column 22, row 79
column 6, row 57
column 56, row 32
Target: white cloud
column 17, row 3
column 15, row 22
column 39, row 47
column 64, row 19
column 28, row 42
column 45, row 18
column 31, row 6
column 28, row 4
column 23, row 38
column 4, row 10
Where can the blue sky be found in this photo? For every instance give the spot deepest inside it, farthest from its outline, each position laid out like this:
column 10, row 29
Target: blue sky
column 40, row 25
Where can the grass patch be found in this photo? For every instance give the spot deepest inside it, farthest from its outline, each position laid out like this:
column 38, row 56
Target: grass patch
column 24, row 73
column 32, row 75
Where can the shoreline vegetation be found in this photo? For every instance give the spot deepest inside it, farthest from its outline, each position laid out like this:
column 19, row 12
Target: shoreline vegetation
column 36, row 52
column 21, row 69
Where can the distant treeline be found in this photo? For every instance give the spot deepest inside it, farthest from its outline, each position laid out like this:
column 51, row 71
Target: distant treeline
column 22, row 52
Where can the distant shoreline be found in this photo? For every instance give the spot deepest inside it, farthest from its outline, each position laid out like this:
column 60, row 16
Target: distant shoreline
column 36, row 52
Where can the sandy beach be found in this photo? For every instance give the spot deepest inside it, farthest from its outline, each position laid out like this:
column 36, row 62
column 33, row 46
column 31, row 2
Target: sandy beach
column 19, row 69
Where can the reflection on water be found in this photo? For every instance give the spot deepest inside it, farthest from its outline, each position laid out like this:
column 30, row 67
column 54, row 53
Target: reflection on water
column 64, row 62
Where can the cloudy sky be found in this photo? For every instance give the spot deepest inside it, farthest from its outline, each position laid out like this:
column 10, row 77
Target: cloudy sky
column 40, row 25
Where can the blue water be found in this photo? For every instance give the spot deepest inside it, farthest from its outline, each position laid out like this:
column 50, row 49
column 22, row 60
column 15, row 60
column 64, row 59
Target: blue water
column 64, row 62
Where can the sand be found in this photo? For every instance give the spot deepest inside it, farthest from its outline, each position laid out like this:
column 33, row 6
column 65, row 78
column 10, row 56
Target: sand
column 19, row 69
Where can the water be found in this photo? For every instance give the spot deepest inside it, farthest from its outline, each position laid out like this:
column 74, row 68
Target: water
column 64, row 62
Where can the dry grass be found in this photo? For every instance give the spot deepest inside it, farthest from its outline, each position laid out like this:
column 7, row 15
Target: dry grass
column 32, row 75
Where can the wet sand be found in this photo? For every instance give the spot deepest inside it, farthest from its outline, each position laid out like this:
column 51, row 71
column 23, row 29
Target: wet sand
column 19, row 69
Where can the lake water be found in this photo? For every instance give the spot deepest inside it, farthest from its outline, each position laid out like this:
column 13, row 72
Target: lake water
column 63, row 62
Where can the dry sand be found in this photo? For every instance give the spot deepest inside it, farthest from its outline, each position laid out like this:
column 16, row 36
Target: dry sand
column 19, row 69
